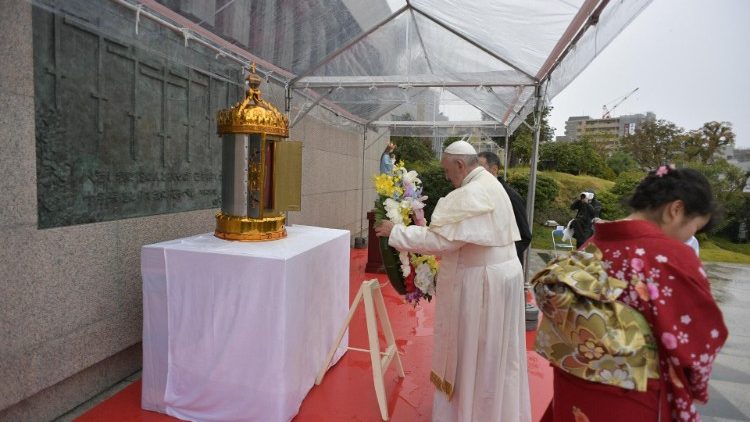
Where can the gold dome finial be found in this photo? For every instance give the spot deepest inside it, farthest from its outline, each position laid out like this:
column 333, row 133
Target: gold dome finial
column 253, row 114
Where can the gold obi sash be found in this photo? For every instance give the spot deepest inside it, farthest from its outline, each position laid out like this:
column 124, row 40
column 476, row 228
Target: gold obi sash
column 585, row 331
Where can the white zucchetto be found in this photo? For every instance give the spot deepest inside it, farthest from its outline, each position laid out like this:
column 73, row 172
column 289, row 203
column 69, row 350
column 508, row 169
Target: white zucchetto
column 460, row 148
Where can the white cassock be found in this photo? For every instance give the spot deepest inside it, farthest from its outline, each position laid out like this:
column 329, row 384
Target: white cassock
column 479, row 353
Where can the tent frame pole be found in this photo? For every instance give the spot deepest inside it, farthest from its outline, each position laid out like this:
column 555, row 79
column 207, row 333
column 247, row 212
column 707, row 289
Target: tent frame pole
column 304, row 111
column 470, row 41
column 348, row 45
column 506, row 158
column 530, row 198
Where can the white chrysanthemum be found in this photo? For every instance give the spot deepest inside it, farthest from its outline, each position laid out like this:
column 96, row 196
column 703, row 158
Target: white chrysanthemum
column 392, row 211
column 411, row 177
column 413, row 204
column 405, row 267
column 423, row 279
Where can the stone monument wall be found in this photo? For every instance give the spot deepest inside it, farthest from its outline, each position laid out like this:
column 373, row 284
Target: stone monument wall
column 72, row 228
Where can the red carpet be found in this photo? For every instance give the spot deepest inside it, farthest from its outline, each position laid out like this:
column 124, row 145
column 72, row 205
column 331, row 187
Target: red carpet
column 347, row 392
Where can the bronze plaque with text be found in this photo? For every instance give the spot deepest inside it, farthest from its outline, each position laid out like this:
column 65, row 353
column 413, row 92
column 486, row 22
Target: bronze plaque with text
column 124, row 122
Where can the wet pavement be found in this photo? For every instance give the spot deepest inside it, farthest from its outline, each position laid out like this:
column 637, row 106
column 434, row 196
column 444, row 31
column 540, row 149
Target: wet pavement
column 730, row 381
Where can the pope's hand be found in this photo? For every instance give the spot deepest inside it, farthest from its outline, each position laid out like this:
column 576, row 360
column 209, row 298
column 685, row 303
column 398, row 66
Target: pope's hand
column 384, row 228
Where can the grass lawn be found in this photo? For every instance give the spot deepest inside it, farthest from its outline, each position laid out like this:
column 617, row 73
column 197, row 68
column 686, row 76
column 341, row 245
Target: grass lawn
column 541, row 237
column 715, row 249
column 722, row 250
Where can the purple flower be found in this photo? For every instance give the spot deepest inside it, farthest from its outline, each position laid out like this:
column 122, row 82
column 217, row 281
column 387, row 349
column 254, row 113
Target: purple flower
column 414, row 297
column 408, row 190
column 662, row 171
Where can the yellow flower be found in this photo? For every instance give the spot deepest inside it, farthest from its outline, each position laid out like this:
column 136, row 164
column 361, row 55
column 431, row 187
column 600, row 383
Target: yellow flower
column 426, row 259
column 406, row 215
column 384, row 185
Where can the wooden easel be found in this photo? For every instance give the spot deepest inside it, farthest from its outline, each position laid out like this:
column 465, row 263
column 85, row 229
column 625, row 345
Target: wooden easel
column 370, row 291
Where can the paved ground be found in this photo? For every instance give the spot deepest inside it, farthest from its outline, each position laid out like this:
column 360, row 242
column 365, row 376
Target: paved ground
column 730, row 382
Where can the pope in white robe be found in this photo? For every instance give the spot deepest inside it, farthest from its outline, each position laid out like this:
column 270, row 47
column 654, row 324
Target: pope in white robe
column 479, row 353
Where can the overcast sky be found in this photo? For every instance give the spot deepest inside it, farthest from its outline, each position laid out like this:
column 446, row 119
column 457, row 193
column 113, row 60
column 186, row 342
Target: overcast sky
column 690, row 60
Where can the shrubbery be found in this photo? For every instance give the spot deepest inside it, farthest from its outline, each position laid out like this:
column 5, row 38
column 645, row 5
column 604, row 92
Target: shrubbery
column 546, row 189
column 613, row 207
column 434, row 183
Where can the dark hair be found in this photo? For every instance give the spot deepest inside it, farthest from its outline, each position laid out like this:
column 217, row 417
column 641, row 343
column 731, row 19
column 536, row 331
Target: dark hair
column 491, row 158
column 667, row 184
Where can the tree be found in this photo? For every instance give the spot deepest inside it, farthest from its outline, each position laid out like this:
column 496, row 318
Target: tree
column 519, row 146
column 654, row 143
column 625, row 184
column 545, row 193
column 727, row 182
column 434, row 183
column 705, row 142
column 578, row 157
column 621, row 161
column 603, row 142
column 412, row 150
column 521, row 141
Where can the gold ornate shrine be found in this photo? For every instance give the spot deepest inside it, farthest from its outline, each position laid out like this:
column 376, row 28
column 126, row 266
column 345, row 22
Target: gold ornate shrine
column 261, row 172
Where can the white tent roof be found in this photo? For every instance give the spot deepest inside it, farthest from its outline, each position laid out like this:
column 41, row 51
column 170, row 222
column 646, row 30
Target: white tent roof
column 369, row 60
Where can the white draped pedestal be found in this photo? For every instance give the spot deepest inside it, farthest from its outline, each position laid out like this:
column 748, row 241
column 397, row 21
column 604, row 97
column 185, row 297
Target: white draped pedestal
column 236, row 331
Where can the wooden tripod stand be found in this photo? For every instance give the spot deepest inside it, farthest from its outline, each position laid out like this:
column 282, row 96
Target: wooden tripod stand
column 373, row 298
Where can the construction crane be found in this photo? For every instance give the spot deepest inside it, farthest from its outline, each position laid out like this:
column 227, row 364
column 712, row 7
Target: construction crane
column 607, row 112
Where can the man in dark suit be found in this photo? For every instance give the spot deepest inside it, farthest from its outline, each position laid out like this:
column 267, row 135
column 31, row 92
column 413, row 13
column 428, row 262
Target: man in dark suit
column 491, row 162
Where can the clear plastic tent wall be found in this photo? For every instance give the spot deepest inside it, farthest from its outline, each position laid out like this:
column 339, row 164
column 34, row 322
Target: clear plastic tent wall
column 369, row 60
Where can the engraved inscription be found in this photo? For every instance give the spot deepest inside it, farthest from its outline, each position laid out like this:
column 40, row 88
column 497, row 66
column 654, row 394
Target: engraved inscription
column 124, row 122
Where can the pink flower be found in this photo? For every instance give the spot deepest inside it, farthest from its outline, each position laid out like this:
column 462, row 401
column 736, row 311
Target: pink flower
column 669, row 341
column 662, row 171
column 653, row 291
column 636, row 264
column 419, row 217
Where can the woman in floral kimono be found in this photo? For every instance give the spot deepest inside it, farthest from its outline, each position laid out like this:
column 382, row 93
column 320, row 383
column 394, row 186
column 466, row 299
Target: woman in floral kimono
column 630, row 325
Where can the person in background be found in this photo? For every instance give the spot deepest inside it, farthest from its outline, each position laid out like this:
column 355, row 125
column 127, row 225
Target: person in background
column 491, row 162
column 583, row 225
column 693, row 243
column 646, row 354
column 596, row 205
column 387, row 159
column 479, row 351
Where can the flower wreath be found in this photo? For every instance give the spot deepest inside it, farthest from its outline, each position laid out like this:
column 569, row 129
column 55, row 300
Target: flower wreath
column 400, row 200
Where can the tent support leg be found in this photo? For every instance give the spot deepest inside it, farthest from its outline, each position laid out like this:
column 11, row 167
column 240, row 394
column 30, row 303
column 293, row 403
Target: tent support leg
column 532, row 176
column 360, row 242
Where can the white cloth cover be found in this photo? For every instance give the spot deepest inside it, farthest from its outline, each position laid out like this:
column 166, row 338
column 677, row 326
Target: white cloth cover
column 693, row 243
column 237, row 331
column 480, row 338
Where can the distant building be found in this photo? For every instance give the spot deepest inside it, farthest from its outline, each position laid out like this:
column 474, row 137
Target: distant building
column 574, row 126
column 739, row 157
column 604, row 132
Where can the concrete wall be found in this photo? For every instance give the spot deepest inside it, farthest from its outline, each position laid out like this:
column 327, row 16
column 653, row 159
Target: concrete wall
column 70, row 297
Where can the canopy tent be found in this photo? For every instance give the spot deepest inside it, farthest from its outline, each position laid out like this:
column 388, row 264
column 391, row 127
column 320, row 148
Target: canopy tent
column 365, row 58
column 377, row 62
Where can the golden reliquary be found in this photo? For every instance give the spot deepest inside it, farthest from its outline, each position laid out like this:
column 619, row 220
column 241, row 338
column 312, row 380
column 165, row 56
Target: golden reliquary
column 261, row 171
